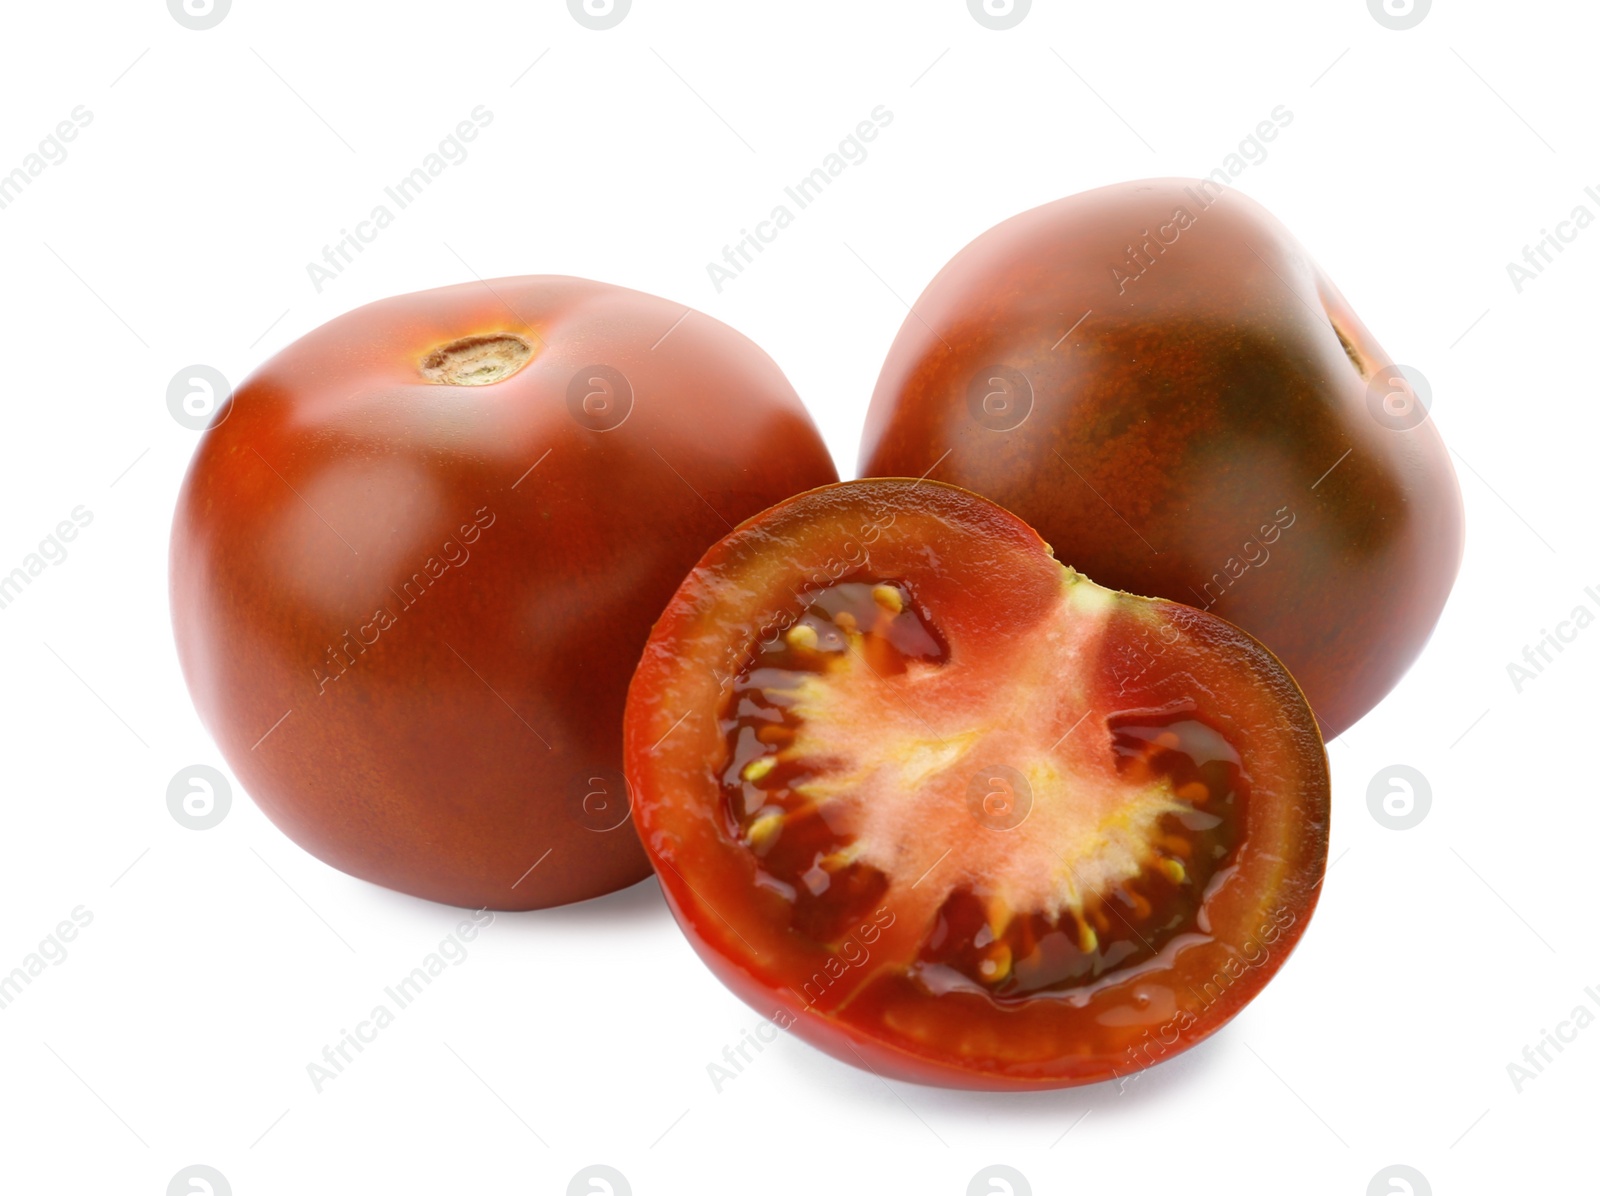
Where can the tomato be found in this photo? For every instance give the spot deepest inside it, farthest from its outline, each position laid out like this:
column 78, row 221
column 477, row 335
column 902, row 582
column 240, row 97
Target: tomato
column 1158, row 378
column 418, row 553
column 957, row 814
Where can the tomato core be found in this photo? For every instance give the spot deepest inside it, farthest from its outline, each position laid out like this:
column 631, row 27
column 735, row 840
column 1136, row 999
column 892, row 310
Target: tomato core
column 843, row 777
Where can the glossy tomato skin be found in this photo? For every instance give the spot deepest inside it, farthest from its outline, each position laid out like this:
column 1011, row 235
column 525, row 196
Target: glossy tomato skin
column 991, row 587
column 407, row 606
column 1157, row 377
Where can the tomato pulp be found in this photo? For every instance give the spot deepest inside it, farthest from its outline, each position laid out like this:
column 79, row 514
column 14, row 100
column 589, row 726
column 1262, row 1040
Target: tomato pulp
column 956, row 813
column 418, row 553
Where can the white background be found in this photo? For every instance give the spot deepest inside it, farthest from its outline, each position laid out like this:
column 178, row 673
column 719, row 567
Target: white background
column 218, row 964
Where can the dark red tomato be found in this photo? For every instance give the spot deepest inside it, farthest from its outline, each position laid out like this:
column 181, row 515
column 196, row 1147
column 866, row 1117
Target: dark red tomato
column 417, row 556
column 959, row 815
column 1159, row 379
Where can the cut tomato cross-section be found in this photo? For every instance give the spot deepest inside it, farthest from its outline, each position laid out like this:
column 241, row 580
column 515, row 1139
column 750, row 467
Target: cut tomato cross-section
column 956, row 813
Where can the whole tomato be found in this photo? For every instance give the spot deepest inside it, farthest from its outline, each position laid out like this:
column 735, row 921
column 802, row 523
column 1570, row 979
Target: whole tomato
column 418, row 553
column 1159, row 379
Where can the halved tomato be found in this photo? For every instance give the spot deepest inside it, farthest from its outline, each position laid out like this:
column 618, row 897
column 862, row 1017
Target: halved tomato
column 955, row 813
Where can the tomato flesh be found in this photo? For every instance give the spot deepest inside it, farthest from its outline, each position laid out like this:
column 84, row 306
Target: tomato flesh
column 963, row 815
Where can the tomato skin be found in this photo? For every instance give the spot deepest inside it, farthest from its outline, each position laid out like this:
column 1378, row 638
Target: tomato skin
column 849, row 1043
column 990, row 585
column 408, row 611
column 1188, row 438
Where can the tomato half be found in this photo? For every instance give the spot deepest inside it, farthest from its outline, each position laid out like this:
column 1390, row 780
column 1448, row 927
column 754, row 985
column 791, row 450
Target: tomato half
column 959, row 815
column 419, row 551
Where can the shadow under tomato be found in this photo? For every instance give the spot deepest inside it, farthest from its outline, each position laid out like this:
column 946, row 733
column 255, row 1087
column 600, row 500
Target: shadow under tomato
column 637, row 905
column 1053, row 1111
